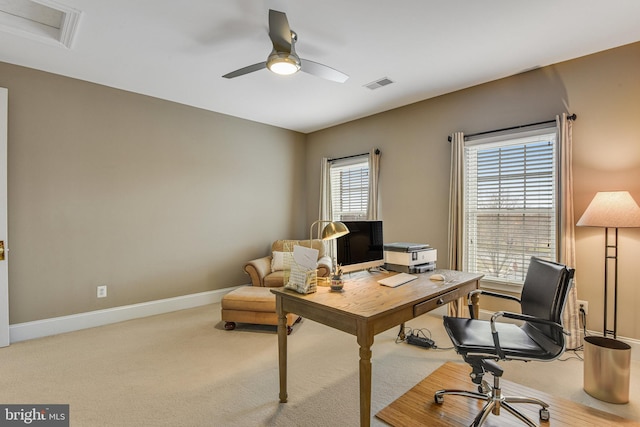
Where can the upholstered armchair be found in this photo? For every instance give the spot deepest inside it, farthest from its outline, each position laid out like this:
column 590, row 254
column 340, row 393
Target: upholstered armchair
column 268, row 271
column 256, row 304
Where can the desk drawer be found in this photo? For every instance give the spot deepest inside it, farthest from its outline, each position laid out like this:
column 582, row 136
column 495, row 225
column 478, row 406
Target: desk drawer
column 433, row 303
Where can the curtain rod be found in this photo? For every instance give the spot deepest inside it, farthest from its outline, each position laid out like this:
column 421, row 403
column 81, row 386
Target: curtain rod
column 354, row 155
column 571, row 117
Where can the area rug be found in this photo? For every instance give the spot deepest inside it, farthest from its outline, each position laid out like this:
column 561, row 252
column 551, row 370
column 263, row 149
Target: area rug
column 417, row 407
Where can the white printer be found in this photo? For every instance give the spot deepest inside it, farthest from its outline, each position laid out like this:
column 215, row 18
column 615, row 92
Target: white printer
column 407, row 257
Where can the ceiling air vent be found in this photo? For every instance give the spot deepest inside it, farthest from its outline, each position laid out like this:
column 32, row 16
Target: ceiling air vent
column 43, row 20
column 379, row 83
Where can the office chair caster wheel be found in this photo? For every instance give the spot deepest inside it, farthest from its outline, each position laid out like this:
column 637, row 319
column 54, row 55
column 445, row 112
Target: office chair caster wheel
column 544, row 414
column 438, row 398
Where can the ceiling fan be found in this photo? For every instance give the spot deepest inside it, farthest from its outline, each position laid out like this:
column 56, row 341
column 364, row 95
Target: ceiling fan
column 283, row 59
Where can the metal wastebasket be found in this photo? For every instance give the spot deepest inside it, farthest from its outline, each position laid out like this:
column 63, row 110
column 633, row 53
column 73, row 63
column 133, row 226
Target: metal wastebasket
column 606, row 369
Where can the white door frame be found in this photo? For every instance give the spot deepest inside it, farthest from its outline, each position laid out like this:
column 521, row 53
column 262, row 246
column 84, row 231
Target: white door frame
column 4, row 265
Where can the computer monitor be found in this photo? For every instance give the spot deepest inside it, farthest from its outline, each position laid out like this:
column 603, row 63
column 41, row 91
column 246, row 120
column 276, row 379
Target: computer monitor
column 362, row 248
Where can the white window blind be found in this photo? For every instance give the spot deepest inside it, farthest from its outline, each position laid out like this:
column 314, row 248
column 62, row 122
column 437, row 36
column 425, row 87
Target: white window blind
column 510, row 204
column 349, row 188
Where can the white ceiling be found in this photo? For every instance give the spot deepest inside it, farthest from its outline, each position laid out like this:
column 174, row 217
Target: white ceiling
column 178, row 51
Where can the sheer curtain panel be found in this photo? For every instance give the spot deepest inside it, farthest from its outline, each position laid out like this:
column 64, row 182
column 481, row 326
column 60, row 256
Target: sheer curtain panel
column 567, row 228
column 456, row 212
column 374, row 172
column 324, row 205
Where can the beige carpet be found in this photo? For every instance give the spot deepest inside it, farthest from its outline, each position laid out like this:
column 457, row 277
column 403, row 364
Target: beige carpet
column 184, row 369
column 413, row 408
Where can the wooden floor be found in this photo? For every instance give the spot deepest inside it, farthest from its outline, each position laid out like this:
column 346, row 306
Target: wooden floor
column 417, row 407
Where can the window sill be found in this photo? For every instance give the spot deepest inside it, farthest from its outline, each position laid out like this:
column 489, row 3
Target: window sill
column 501, row 286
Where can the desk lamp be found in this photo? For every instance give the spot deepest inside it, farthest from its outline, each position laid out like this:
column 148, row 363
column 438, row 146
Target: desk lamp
column 332, row 230
column 611, row 209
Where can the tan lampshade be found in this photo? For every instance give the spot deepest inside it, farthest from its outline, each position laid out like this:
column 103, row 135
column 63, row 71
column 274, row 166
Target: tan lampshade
column 333, row 230
column 615, row 209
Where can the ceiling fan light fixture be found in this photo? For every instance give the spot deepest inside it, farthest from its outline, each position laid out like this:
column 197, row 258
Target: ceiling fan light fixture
column 284, row 64
column 283, row 59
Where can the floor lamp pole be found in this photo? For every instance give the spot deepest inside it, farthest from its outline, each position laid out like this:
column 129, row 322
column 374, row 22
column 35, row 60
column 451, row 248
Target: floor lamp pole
column 611, row 256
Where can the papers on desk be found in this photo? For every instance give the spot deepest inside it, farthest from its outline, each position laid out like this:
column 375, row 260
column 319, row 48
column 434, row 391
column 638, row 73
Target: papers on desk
column 305, row 257
column 300, row 272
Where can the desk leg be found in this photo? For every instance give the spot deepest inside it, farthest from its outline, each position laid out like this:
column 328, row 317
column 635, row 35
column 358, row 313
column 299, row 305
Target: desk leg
column 475, row 304
column 365, row 340
column 282, row 349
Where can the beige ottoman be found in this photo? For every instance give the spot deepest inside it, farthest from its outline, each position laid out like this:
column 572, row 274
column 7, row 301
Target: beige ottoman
column 252, row 304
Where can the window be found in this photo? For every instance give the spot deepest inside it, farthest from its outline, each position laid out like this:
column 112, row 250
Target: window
column 510, row 203
column 349, row 188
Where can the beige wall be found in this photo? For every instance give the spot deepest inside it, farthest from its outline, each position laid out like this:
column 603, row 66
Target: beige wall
column 152, row 198
column 109, row 187
column 602, row 89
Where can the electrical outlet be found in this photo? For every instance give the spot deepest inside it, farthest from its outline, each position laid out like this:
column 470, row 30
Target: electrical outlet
column 583, row 305
column 102, row 291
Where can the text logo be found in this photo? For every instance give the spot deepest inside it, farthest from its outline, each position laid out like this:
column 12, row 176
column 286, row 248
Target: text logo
column 34, row 415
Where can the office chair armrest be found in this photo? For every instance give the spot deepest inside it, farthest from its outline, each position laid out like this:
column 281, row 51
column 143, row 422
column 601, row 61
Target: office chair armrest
column 488, row 293
column 517, row 316
column 533, row 319
column 494, row 334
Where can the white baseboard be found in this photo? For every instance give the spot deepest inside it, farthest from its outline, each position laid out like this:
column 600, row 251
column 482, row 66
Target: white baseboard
column 59, row 325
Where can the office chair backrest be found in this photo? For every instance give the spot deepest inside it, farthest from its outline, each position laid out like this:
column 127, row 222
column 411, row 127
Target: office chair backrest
column 544, row 294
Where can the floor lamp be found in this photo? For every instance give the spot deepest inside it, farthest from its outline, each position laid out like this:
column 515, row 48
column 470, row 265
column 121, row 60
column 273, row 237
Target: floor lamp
column 606, row 360
column 612, row 209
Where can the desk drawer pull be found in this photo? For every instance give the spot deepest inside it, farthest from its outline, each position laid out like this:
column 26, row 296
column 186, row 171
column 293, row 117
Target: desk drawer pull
column 432, row 303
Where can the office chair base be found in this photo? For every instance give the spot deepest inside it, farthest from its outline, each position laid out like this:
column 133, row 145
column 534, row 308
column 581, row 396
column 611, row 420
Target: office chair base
column 495, row 401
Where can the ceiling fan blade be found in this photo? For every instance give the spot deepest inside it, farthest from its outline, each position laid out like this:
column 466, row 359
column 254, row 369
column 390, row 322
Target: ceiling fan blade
column 279, row 31
column 322, row 71
column 246, row 70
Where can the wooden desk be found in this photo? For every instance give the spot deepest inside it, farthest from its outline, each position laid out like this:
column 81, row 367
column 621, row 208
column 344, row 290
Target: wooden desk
column 365, row 308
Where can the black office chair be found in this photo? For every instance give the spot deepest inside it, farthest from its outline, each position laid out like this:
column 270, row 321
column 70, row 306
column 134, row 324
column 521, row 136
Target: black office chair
column 540, row 336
